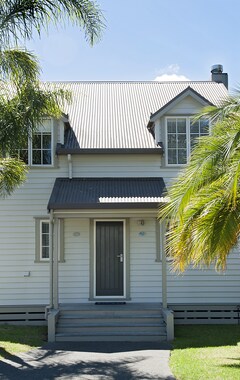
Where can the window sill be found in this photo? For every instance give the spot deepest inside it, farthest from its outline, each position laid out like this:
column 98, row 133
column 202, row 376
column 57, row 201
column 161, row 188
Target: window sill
column 47, row 261
column 176, row 165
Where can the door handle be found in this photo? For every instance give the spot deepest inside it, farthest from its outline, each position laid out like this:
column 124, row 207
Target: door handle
column 120, row 257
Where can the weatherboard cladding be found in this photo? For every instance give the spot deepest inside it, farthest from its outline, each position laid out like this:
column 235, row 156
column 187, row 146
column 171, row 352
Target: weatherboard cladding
column 80, row 193
column 115, row 115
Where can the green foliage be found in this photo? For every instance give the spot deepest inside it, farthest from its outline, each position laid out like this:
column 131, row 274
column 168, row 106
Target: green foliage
column 12, row 173
column 204, row 206
column 18, row 66
column 22, row 113
column 23, row 100
column 19, row 18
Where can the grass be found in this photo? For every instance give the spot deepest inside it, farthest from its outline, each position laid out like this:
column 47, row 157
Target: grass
column 16, row 339
column 206, row 352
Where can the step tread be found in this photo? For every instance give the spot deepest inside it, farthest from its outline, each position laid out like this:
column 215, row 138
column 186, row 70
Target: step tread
column 101, row 316
column 127, row 306
column 124, row 338
column 111, row 324
column 117, row 333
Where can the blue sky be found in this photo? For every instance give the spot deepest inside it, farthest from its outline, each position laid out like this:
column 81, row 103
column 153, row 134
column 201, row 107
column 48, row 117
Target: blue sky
column 146, row 39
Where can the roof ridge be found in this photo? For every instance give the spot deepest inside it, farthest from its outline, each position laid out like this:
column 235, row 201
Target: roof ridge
column 129, row 81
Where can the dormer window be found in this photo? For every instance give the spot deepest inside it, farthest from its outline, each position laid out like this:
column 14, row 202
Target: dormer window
column 181, row 135
column 42, row 145
column 39, row 149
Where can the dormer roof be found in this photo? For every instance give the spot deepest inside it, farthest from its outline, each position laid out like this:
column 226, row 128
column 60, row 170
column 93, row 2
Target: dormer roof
column 177, row 99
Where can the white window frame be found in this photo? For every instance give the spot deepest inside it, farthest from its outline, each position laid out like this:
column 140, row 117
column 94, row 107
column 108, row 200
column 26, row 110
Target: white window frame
column 30, row 153
column 188, row 145
column 45, row 221
column 38, row 240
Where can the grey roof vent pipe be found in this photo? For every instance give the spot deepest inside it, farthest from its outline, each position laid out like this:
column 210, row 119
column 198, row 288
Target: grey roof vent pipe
column 218, row 75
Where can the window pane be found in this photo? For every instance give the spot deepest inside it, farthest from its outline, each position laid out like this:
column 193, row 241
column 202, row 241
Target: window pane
column 46, row 141
column 47, row 157
column 36, row 157
column 193, row 141
column 46, row 126
column 194, row 127
column 45, row 228
column 42, row 148
column 181, row 125
column 45, row 252
column 171, row 125
column 182, row 141
column 45, row 240
column 204, row 127
column 36, row 141
column 171, row 141
column 172, row 156
column 182, row 156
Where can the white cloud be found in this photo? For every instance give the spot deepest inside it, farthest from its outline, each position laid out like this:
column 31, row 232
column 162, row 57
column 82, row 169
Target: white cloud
column 170, row 73
column 171, row 78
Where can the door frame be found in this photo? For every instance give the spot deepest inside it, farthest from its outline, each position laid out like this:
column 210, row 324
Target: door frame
column 124, row 259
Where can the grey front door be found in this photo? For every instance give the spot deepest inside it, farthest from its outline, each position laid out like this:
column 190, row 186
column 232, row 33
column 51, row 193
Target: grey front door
column 109, row 258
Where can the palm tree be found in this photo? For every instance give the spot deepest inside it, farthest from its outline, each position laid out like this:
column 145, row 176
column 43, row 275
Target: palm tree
column 19, row 18
column 203, row 212
column 23, row 101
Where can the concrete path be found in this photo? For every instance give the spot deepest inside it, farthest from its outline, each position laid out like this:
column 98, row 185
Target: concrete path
column 90, row 361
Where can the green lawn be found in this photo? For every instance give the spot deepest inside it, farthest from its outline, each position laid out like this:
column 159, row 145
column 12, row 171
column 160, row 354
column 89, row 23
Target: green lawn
column 206, row 352
column 15, row 339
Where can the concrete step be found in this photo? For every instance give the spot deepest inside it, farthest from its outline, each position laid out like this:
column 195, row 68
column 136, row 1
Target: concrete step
column 109, row 337
column 108, row 318
column 128, row 306
column 110, row 323
column 128, row 322
column 91, row 329
column 110, row 313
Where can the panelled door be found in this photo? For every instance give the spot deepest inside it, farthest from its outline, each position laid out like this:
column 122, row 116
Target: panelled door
column 109, row 258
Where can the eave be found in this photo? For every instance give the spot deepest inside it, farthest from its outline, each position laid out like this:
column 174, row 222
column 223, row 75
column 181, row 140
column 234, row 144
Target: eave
column 61, row 151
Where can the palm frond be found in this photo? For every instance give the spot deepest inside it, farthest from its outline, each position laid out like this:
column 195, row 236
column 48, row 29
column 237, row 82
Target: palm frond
column 21, row 114
column 229, row 108
column 12, row 174
column 204, row 207
column 18, row 66
column 19, row 18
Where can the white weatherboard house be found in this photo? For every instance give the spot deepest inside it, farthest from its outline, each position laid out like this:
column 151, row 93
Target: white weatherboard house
column 81, row 237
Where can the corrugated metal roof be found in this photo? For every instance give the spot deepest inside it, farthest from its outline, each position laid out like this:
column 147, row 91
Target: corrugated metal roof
column 132, row 200
column 79, row 193
column 115, row 115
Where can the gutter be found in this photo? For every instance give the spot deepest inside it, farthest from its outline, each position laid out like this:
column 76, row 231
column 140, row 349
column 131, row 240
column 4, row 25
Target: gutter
column 66, row 151
column 69, row 156
column 51, row 221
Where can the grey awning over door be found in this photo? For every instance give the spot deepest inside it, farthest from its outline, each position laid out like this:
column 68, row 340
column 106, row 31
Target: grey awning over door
column 84, row 193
